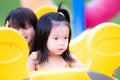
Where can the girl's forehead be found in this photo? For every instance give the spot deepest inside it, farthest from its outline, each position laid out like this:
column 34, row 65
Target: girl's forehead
column 19, row 24
column 58, row 23
column 60, row 30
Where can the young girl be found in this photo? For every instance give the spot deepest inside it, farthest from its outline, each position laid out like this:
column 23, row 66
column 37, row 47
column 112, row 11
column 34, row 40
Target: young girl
column 50, row 47
column 24, row 20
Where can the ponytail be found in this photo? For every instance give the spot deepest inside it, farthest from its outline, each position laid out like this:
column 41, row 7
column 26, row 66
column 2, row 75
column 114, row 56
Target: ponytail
column 64, row 12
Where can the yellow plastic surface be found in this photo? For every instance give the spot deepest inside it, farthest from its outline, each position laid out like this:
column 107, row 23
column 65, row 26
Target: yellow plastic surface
column 103, row 46
column 61, row 74
column 43, row 10
column 13, row 55
column 78, row 46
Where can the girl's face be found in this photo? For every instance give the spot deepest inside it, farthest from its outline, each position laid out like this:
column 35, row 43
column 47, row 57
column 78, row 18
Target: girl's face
column 28, row 32
column 58, row 39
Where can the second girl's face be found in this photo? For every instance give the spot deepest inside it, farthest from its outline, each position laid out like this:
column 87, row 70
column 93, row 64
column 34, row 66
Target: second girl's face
column 58, row 39
column 28, row 32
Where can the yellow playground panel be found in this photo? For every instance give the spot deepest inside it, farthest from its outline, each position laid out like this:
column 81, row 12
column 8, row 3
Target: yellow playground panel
column 61, row 74
column 13, row 55
column 101, row 45
column 78, row 46
column 43, row 10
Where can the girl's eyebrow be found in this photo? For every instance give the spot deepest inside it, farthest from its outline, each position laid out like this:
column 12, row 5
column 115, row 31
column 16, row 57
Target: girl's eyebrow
column 58, row 35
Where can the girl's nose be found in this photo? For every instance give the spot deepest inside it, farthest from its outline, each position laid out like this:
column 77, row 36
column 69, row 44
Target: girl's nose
column 61, row 42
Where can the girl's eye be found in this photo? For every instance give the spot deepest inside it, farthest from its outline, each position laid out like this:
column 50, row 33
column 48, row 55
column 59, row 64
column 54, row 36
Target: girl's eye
column 26, row 27
column 66, row 38
column 56, row 38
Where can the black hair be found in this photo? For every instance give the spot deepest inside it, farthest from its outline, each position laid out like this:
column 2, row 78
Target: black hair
column 44, row 26
column 20, row 16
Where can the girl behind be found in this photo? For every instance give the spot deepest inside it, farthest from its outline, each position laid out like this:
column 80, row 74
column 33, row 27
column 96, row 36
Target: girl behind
column 23, row 20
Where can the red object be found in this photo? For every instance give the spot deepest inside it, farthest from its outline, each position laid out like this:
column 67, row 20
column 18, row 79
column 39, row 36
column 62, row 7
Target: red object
column 99, row 11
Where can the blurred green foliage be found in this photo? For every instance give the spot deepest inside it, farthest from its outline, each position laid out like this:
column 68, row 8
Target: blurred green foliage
column 5, row 7
column 67, row 3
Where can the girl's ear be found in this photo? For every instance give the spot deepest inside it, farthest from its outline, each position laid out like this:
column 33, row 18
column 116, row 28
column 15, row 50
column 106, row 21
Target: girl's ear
column 7, row 24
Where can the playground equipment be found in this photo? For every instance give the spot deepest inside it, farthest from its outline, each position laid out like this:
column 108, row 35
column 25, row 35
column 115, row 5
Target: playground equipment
column 61, row 74
column 43, row 10
column 78, row 46
column 101, row 45
column 78, row 17
column 13, row 55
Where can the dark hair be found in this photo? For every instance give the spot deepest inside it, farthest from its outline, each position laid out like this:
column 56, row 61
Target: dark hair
column 20, row 16
column 44, row 26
